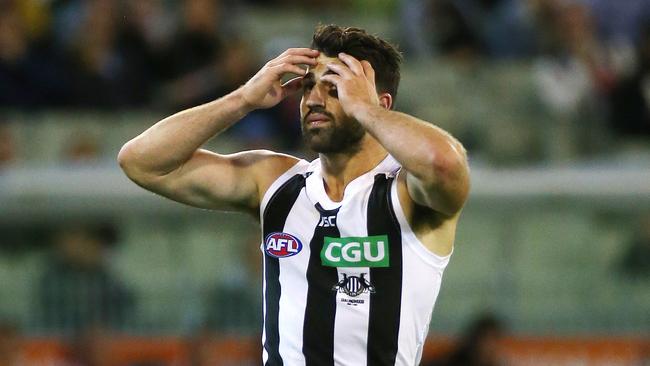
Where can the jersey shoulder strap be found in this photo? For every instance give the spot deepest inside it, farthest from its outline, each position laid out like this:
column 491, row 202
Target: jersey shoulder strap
column 302, row 167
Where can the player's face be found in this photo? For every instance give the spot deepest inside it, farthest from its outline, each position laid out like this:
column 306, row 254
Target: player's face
column 325, row 127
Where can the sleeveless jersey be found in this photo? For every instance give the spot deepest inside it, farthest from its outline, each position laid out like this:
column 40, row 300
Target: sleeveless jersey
column 345, row 283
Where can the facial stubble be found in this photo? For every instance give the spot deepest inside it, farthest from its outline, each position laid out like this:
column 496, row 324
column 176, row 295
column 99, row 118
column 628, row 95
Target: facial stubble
column 334, row 137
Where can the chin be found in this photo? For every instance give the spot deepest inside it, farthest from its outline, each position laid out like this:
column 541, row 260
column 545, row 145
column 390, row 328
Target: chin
column 330, row 147
column 320, row 147
column 317, row 140
column 331, row 141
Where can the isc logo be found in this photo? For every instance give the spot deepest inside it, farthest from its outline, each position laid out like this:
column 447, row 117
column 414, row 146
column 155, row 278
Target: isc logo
column 327, row 221
column 282, row 245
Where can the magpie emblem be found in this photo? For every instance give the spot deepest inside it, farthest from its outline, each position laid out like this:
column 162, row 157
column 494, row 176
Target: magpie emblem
column 354, row 286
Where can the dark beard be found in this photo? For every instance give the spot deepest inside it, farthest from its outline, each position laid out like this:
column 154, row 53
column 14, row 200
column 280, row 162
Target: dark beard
column 334, row 138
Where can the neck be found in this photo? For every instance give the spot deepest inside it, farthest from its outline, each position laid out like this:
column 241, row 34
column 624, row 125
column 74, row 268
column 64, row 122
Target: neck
column 339, row 169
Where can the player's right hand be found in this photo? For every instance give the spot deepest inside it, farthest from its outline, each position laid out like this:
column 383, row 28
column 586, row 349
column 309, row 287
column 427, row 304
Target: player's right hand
column 265, row 89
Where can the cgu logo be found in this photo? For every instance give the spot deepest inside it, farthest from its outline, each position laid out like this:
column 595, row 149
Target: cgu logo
column 370, row 251
column 282, row 245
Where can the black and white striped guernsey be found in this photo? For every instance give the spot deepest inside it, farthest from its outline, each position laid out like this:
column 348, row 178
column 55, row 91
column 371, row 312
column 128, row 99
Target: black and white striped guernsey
column 345, row 283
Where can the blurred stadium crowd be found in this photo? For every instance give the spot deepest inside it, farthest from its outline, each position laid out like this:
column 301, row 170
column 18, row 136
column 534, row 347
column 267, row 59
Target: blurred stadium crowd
column 167, row 55
column 591, row 50
column 587, row 63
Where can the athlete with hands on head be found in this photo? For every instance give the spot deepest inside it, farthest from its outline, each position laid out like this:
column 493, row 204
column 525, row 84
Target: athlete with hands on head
column 383, row 178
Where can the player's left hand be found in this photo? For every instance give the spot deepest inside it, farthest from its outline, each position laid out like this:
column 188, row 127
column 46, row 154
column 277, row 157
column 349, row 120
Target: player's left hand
column 355, row 84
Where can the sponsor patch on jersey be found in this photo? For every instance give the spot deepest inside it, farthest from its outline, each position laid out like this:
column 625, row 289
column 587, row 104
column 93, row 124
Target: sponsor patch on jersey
column 368, row 251
column 282, row 245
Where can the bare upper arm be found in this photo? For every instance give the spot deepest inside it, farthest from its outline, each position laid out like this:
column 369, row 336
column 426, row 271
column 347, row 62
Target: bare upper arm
column 446, row 187
column 436, row 230
column 215, row 181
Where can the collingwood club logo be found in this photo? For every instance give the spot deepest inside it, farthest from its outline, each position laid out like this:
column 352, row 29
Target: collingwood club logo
column 353, row 286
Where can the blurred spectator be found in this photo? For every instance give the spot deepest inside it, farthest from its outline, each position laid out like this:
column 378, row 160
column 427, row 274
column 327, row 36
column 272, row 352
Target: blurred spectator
column 207, row 348
column 494, row 28
column 9, row 345
column 569, row 30
column 81, row 147
column 506, row 28
column 31, row 73
column 635, row 261
column 107, row 74
column 620, row 21
column 304, row 4
column 479, row 345
column 77, row 292
column 570, row 53
column 413, row 24
column 452, row 30
column 630, row 98
column 573, row 75
column 7, row 146
column 89, row 348
column 196, row 58
column 200, row 347
column 145, row 35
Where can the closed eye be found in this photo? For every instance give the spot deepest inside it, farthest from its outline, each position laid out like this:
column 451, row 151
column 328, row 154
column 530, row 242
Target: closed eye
column 308, row 84
column 332, row 91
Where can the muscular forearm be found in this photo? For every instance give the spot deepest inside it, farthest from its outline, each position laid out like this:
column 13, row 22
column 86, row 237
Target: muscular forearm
column 424, row 150
column 171, row 142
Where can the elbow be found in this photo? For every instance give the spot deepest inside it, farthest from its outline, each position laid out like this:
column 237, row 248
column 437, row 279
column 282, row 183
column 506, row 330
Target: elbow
column 127, row 158
column 443, row 183
column 449, row 164
column 450, row 171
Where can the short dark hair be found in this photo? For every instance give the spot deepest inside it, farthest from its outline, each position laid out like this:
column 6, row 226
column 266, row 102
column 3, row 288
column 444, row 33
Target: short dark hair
column 383, row 56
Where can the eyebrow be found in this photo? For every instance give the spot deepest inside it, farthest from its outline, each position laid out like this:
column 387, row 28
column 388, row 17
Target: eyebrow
column 310, row 75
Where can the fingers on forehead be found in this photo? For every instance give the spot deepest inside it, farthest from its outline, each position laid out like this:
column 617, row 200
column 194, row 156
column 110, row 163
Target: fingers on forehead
column 367, row 67
column 347, row 59
column 331, row 78
column 353, row 63
column 301, row 51
column 300, row 59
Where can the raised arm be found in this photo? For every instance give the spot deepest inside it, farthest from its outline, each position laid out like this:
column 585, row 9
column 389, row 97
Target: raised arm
column 167, row 158
column 436, row 164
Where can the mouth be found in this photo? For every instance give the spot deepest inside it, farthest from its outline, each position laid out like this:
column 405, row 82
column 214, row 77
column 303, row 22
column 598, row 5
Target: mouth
column 316, row 119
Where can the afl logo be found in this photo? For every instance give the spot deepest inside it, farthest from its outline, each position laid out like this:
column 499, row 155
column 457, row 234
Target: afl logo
column 282, row 245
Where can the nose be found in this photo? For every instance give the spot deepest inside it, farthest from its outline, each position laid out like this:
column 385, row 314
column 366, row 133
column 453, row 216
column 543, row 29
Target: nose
column 316, row 96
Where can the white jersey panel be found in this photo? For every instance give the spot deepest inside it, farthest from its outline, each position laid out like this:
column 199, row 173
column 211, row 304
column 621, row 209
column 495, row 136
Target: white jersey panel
column 294, row 283
column 299, row 168
column 422, row 279
column 352, row 313
column 265, row 355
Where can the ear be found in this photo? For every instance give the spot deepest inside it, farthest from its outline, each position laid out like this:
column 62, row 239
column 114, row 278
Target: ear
column 386, row 100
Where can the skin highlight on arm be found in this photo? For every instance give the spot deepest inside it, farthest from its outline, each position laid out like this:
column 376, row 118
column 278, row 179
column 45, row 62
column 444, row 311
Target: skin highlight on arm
column 167, row 158
column 435, row 162
column 434, row 183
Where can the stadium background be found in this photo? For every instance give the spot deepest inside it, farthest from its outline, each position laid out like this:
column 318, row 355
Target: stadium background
column 551, row 98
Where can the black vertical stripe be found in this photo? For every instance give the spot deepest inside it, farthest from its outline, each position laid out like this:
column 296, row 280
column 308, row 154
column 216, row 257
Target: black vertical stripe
column 320, row 311
column 275, row 216
column 385, row 302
